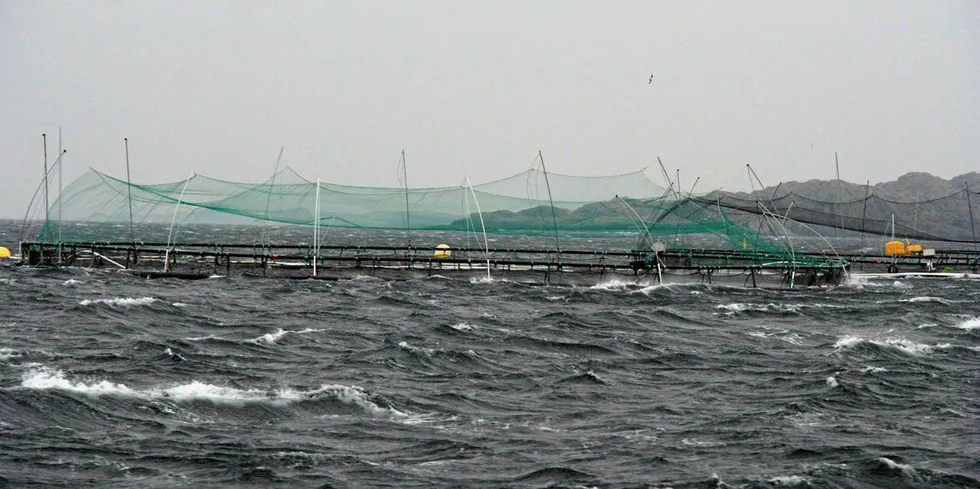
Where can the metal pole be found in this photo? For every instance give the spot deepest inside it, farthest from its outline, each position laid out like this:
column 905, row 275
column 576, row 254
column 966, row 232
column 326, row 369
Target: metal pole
column 61, row 154
column 973, row 225
column 268, row 198
column 867, row 190
column 486, row 245
column 316, row 226
column 44, row 138
column 408, row 222
column 839, row 190
column 166, row 255
column 129, row 190
column 554, row 218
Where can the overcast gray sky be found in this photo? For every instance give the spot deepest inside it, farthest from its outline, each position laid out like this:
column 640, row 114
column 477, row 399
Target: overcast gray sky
column 477, row 88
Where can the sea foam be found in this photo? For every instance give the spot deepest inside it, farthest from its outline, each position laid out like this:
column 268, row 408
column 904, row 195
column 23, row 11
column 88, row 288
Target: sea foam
column 44, row 378
column 119, row 302
column 272, row 338
column 904, row 345
column 973, row 323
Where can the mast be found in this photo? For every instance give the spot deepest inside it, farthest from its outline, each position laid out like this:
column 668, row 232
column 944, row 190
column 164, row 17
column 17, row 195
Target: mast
column 867, row 190
column 268, row 198
column 839, row 190
column 973, row 225
column 44, row 139
column 166, row 255
column 691, row 192
column 316, row 226
column 669, row 182
column 486, row 244
column 678, row 179
column 554, row 218
column 773, row 196
column 60, row 187
column 129, row 190
column 408, row 223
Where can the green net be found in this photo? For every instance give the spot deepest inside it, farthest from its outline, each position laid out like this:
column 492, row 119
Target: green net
column 99, row 207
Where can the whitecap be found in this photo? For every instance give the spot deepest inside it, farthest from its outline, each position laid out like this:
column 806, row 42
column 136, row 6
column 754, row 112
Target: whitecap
column 736, row 308
column 614, row 284
column 272, row 338
column 45, row 378
column 901, row 344
column 832, row 381
column 482, row 280
column 8, row 353
column 461, row 327
column 179, row 304
column 119, row 301
column 646, row 290
column 928, row 299
column 202, row 338
column 873, row 370
column 72, row 281
column 908, row 346
column 789, row 480
column 848, row 342
column 973, row 323
column 414, row 349
column 783, row 335
column 904, row 468
column 699, row 443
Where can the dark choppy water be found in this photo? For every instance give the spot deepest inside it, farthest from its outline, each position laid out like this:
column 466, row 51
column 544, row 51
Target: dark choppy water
column 112, row 381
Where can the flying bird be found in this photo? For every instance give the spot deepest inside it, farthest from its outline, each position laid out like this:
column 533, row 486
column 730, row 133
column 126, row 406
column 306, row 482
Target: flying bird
column 651, row 80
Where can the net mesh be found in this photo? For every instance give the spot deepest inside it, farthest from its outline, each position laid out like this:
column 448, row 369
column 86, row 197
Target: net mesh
column 950, row 218
column 97, row 207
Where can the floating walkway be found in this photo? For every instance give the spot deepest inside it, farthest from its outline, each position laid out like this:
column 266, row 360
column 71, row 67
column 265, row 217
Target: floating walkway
column 532, row 266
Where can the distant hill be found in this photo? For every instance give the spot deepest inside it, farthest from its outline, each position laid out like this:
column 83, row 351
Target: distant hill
column 911, row 187
column 917, row 205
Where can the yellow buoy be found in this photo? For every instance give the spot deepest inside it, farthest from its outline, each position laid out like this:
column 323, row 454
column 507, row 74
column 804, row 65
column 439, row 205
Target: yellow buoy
column 4, row 252
column 443, row 251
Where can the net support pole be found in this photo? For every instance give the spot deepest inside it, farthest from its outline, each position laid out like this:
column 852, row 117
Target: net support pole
column 170, row 235
column 316, row 226
column 44, row 140
column 486, row 244
column 408, row 222
column 973, row 226
column 551, row 202
column 864, row 211
column 129, row 192
column 268, row 199
column 61, row 206
column 839, row 194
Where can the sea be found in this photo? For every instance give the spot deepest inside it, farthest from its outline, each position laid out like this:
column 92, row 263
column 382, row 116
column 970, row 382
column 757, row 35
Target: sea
column 112, row 381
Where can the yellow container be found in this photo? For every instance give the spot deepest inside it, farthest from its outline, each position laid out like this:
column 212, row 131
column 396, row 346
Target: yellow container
column 895, row 248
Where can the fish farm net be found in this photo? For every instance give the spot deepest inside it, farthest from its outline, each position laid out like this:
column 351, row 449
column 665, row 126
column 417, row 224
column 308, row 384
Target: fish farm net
column 949, row 218
column 98, row 207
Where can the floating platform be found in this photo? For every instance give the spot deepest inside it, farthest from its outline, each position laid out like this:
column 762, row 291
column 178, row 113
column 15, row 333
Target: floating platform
column 532, row 266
